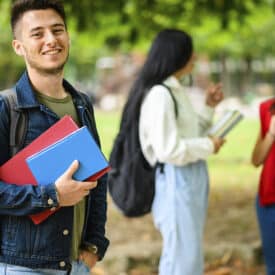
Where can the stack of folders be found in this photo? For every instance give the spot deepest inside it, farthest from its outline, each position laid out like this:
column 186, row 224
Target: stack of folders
column 225, row 124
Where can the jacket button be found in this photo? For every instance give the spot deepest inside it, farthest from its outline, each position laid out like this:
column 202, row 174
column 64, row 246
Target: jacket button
column 50, row 201
column 65, row 232
column 62, row 264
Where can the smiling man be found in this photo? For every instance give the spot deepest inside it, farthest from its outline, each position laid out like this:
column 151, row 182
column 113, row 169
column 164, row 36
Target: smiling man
column 71, row 240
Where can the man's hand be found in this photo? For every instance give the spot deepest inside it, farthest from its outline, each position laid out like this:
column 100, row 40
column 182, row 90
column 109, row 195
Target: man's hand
column 88, row 258
column 70, row 191
column 214, row 95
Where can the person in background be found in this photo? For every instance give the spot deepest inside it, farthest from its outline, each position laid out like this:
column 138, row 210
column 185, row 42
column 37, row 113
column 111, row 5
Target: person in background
column 180, row 143
column 72, row 239
column 264, row 154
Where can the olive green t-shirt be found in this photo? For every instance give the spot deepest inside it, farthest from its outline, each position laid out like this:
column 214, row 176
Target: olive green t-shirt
column 63, row 107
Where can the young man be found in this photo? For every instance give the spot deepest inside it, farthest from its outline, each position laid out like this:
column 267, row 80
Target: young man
column 73, row 238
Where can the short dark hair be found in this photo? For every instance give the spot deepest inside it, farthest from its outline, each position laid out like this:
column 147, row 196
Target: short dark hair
column 19, row 7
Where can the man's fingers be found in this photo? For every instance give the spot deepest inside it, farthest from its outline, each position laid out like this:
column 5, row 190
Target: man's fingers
column 88, row 185
column 72, row 169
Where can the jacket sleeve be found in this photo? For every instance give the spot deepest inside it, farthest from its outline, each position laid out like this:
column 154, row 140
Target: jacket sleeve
column 94, row 231
column 24, row 199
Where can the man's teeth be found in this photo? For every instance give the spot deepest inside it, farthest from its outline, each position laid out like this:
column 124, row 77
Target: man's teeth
column 52, row 52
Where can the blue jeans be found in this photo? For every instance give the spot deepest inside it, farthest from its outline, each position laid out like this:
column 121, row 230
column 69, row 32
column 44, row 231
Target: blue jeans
column 179, row 212
column 266, row 219
column 78, row 268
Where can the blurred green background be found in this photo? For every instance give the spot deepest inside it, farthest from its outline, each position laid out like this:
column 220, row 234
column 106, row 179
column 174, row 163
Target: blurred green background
column 231, row 167
column 234, row 42
column 233, row 39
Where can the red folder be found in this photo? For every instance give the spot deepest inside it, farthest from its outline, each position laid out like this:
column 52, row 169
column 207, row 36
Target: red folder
column 16, row 170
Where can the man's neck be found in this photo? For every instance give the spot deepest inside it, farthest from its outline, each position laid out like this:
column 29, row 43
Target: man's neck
column 48, row 84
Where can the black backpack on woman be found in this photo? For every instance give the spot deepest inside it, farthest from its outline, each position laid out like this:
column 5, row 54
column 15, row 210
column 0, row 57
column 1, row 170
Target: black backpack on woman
column 131, row 181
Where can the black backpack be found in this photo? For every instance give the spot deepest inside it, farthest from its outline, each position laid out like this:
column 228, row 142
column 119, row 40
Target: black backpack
column 18, row 121
column 131, row 181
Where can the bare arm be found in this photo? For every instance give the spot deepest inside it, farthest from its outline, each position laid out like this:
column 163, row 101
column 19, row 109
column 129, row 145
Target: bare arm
column 263, row 145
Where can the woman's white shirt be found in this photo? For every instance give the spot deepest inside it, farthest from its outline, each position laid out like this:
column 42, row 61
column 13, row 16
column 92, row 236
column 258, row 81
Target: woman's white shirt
column 168, row 138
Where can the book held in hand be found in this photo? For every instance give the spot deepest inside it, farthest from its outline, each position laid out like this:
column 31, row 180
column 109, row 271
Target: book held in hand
column 23, row 174
column 51, row 162
column 225, row 124
column 16, row 170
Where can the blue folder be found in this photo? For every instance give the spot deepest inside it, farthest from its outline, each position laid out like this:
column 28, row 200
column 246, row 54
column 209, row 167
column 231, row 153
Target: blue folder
column 50, row 163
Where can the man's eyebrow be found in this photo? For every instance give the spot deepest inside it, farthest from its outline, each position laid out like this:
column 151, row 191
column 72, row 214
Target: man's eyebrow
column 58, row 25
column 52, row 26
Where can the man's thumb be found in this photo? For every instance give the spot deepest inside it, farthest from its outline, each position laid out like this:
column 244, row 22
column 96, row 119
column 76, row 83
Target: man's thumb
column 72, row 169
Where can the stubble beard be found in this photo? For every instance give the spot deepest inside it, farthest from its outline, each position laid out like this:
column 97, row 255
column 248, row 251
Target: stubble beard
column 47, row 71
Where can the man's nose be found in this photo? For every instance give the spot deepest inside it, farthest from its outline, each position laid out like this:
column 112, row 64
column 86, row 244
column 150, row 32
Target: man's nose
column 50, row 38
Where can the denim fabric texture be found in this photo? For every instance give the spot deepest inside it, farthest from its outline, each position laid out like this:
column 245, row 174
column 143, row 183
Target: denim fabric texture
column 266, row 220
column 179, row 212
column 78, row 268
column 44, row 245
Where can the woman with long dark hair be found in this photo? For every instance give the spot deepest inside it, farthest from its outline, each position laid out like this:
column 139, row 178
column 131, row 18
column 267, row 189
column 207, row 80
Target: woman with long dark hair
column 178, row 140
column 264, row 154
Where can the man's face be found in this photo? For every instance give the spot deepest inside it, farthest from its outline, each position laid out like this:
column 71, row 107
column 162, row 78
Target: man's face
column 42, row 40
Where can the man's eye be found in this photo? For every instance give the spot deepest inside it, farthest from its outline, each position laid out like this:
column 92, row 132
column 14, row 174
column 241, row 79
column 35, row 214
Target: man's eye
column 37, row 34
column 58, row 31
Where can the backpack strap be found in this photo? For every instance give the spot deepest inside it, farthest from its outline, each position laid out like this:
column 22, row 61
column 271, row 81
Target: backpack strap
column 18, row 121
column 90, row 113
column 160, row 164
column 173, row 98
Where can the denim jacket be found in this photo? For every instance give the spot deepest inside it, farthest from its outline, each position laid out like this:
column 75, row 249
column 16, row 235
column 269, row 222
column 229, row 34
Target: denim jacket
column 48, row 244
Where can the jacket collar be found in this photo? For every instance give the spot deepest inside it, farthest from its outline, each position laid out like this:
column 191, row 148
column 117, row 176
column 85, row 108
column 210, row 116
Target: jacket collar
column 26, row 96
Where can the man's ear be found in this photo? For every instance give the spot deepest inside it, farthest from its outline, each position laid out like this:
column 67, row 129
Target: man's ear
column 17, row 47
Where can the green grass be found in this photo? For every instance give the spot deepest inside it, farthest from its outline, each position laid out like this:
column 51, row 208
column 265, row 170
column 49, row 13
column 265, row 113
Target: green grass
column 107, row 125
column 231, row 167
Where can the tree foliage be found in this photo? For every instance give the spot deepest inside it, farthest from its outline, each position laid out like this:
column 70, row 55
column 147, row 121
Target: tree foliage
column 133, row 21
column 234, row 28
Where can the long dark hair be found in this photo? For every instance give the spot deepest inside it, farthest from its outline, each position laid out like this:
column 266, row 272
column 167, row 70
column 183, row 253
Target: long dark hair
column 169, row 52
